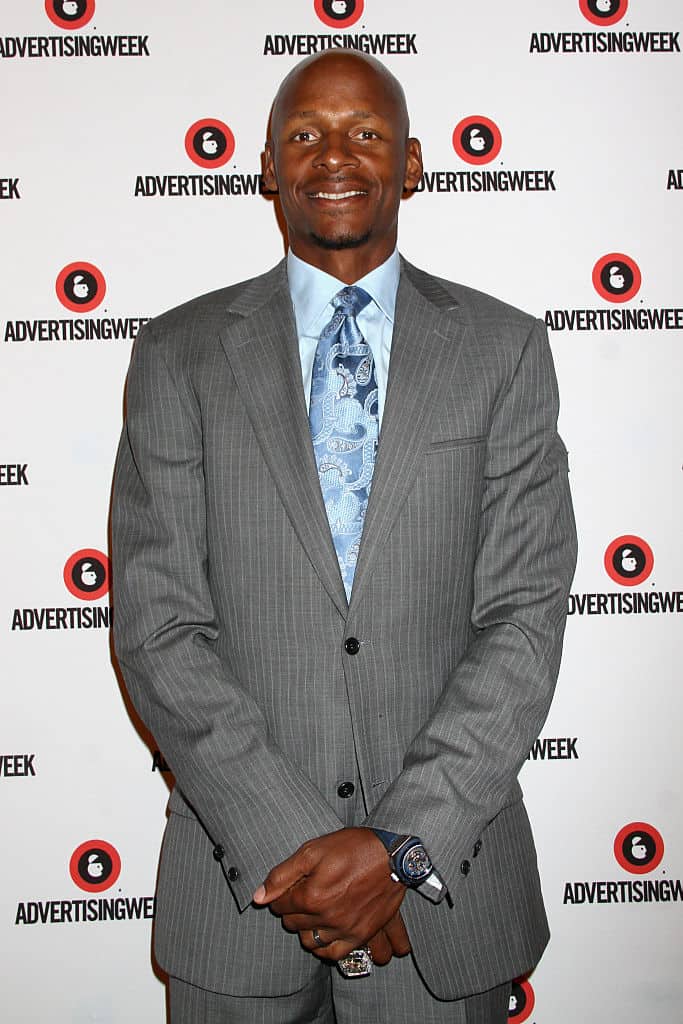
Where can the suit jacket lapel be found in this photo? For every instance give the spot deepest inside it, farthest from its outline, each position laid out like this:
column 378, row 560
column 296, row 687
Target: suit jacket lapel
column 428, row 335
column 263, row 352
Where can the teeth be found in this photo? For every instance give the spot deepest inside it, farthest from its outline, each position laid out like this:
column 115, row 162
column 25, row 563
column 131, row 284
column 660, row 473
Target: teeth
column 336, row 195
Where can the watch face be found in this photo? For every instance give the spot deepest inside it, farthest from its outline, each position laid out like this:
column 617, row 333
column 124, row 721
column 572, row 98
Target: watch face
column 416, row 864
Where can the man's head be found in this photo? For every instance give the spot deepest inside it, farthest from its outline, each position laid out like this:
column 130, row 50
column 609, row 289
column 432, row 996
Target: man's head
column 340, row 156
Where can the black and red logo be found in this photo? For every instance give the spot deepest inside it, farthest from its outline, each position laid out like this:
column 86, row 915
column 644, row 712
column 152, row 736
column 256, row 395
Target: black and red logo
column 616, row 277
column 80, row 287
column 477, row 139
column 638, row 847
column 522, row 1001
column 603, row 12
column 95, row 865
column 339, row 13
column 629, row 560
column 209, row 142
column 69, row 13
column 87, row 574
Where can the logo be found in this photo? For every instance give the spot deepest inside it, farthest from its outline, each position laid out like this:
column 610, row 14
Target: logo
column 616, row 277
column 87, row 573
column 69, row 13
column 522, row 1001
column 95, row 865
column 603, row 12
column 477, row 140
column 638, row 847
column 629, row 560
column 339, row 13
column 80, row 287
column 209, row 143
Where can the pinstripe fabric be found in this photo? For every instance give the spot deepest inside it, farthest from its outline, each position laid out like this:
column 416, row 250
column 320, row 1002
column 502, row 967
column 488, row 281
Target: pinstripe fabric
column 391, row 996
column 231, row 615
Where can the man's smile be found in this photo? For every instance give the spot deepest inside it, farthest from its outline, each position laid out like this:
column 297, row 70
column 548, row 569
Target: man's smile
column 335, row 196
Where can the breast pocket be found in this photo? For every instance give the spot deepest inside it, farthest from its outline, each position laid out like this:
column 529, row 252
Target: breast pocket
column 457, row 442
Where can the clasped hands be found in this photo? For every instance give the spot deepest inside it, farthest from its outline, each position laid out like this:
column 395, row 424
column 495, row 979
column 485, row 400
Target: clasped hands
column 339, row 885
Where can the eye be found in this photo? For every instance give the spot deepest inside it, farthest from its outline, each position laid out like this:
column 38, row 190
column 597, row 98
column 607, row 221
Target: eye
column 305, row 135
column 367, row 133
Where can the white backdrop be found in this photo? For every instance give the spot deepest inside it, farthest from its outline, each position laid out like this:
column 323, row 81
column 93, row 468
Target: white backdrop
column 78, row 134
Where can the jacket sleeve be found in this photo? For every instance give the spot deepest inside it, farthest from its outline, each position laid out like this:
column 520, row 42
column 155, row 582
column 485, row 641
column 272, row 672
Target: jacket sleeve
column 461, row 768
column 249, row 797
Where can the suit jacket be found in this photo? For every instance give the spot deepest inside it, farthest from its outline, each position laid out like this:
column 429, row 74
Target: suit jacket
column 231, row 621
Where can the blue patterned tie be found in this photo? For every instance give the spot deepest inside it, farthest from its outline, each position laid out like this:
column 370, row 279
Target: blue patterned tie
column 344, row 428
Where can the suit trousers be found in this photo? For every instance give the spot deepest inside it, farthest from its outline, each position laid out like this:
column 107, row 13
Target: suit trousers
column 391, row 995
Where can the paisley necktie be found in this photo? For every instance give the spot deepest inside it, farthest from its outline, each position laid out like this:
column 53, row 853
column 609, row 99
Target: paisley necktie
column 344, row 426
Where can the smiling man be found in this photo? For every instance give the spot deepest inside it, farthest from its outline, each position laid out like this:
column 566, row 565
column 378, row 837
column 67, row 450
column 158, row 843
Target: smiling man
column 343, row 543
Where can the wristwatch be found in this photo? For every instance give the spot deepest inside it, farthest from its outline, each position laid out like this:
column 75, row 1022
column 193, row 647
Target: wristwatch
column 411, row 864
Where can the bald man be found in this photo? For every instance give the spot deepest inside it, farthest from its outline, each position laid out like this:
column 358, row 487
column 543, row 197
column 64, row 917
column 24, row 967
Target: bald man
column 343, row 543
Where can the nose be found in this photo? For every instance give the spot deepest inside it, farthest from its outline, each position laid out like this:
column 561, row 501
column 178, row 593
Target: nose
column 335, row 152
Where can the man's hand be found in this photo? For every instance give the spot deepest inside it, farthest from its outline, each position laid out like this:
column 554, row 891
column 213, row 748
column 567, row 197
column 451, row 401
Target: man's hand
column 340, row 885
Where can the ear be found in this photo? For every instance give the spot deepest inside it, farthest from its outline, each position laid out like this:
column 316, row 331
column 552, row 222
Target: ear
column 413, row 165
column 269, row 178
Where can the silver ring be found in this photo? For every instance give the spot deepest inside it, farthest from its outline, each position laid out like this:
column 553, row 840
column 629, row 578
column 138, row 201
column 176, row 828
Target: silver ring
column 356, row 964
column 316, row 938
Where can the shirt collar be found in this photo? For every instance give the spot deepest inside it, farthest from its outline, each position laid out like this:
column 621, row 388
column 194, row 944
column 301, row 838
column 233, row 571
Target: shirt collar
column 312, row 289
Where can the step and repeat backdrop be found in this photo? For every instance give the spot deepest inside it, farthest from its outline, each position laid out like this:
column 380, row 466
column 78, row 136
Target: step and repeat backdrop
column 130, row 160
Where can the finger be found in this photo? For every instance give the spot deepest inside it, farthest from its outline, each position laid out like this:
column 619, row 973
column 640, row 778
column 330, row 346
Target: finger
column 281, row 878
column 313, row 939
column 396, row 934
column 380, row 949
column 302, row 922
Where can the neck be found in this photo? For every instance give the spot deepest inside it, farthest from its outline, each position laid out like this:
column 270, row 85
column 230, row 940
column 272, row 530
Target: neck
column 347, row 265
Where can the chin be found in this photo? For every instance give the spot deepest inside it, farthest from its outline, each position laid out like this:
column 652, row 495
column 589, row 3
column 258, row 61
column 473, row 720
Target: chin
column 340, row 241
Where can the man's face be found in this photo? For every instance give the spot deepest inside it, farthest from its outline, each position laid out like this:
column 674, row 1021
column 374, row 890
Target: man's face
column 340, row 157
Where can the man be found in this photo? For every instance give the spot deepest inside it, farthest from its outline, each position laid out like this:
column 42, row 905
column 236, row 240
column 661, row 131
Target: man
column 340, row 605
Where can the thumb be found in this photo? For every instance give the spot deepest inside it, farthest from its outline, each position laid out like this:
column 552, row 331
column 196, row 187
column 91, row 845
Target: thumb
column 282, row 877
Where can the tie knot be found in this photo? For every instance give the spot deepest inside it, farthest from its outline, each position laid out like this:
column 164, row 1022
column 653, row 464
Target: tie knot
column 351, row 300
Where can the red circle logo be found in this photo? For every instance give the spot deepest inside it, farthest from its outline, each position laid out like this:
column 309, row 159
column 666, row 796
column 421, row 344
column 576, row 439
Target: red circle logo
column 95, row 866
column 209, row 142
column 87, row 574
column 629, row 560
column 69, row 13
column 339, row 13
column 477, row 139
column 603, row 12
column 616, row 277
column 522, row 1001
column 80, row 287
column 638, row 847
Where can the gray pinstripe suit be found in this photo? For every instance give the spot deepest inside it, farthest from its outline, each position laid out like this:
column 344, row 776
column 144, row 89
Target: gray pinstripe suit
column 231, row 618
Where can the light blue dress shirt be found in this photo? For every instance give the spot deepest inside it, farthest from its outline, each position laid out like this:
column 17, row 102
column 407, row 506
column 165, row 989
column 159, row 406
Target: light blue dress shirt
column 312, row 291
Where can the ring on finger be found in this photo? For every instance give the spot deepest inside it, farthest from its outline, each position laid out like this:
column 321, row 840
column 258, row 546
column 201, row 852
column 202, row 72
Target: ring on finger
column 318, row 941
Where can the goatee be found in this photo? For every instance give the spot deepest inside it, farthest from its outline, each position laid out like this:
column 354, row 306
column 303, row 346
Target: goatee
column 340, row 241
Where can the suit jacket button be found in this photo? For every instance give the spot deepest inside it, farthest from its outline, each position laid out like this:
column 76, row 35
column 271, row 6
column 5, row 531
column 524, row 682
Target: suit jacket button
column 218, row 852
column 233, row 874
column 477, row 848
column 345, row 790
column 351, row 645
column 465, row 867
